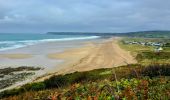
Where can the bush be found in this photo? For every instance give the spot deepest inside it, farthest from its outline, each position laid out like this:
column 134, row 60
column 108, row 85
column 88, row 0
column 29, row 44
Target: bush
column 151, row 71
column 156, row 70
column 56, row 81
column 37, row 86
column 152, row 55
column 79, row 77
column 12, row 92
column 167, row 45
column 34, row 86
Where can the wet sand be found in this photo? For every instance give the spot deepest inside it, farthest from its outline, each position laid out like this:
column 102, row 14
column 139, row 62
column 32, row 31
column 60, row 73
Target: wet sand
column 36, row 55
column 15, row 56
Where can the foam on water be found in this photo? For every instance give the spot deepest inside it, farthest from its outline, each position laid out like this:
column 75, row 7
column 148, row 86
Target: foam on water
column 8, row 45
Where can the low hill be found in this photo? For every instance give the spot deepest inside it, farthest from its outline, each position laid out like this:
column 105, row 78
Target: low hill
column 146, row 34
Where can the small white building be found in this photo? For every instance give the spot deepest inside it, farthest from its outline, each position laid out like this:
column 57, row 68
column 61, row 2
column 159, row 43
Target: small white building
column 158, row 49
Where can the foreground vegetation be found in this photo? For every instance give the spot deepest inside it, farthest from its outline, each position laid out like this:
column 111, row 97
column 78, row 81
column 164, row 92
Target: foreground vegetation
column 137, row 82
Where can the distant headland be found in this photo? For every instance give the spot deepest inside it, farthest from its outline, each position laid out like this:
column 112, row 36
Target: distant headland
column 146, row 34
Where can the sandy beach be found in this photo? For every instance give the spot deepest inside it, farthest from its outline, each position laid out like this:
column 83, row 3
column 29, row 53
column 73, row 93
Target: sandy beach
column 67, row 57
column 105, row 54
column 36, row 55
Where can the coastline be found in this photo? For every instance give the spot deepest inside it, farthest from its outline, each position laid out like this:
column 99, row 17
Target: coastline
column 73, row 56
column 106, row 54
column 93, row 55
column 36, row 56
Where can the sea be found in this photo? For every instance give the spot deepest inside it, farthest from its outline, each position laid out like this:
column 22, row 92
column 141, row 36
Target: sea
column 10, row 41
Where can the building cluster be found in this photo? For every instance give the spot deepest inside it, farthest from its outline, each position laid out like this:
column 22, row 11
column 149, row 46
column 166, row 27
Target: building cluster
column 158, row 44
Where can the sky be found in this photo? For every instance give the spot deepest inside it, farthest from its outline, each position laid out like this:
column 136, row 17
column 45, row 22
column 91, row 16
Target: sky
column 40, row 16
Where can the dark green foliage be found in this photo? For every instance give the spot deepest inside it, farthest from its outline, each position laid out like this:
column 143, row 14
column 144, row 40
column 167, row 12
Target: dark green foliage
column 156, row 70
column 153, row 55
column 151, row 71
column 38, row 86
column 12, row 92
column 56, row 81
column 167, row 45
column 87, row 76
column 76, row 77
column 34, row 86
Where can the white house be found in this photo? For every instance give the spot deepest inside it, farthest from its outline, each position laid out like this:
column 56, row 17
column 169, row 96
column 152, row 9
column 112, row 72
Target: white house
column 158, row 49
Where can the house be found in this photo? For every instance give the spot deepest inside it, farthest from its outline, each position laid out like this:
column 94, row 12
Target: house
column 158, row 49
column 142, row 43
column 157, row 44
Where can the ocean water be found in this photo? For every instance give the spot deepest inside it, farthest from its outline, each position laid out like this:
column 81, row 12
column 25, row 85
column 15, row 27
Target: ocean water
column 14, row 41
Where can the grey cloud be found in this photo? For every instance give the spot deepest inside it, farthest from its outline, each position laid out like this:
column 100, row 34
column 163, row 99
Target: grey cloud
column 84, row 15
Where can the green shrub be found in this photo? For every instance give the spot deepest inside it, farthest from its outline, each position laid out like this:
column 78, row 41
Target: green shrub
column 38, row 86
column 56, row 81
column 151, row 70
column 153, row 55
column 156, row 70
column 12, row 92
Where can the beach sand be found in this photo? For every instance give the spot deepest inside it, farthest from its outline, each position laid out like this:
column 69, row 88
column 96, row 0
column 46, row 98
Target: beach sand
column 106, row 54
column 36, row 56
column 68, row 57
column 15, row 56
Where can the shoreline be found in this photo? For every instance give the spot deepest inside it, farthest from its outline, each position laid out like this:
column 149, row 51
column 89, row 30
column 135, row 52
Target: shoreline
column 105, row 54
column 84, row 56
column 36, row 56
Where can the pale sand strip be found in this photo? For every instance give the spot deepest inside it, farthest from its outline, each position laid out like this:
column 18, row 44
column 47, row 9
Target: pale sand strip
column 15, row 56
column 93, row 56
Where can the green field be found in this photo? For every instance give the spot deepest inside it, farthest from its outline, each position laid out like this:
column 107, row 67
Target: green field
column 146, row 54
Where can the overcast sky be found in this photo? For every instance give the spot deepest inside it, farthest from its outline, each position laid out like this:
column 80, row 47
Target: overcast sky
column 84, row 15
